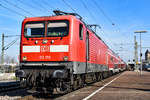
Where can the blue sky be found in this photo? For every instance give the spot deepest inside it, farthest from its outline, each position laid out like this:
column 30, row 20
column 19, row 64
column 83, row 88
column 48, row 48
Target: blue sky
column 127, row 15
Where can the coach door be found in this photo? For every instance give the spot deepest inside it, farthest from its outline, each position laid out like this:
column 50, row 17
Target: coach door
column 87, row 50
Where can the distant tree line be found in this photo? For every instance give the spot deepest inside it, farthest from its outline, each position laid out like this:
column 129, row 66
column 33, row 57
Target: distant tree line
column 9, row 60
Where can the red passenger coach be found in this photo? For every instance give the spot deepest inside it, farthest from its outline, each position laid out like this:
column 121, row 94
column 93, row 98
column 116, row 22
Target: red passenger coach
column 62, row 52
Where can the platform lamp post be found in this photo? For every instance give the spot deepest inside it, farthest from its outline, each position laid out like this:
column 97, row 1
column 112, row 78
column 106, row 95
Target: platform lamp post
column 140, row 49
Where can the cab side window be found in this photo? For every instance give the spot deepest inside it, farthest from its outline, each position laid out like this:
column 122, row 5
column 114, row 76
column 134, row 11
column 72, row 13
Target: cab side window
column 81, row 32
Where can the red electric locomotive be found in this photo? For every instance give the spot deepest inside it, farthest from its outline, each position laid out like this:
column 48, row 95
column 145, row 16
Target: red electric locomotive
column 62, row 52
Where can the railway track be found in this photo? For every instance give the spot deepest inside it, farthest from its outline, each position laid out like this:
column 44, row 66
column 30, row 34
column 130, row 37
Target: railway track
column 12, row 90
column 15, row 92
column 55, row 96
column 9, row 86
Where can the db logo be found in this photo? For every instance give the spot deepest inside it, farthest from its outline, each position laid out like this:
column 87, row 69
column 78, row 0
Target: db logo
column 44, row 49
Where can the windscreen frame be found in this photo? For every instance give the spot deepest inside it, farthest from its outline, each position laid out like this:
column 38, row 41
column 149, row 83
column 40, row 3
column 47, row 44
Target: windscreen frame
column 52, row 21
column 45, row 28
column 32, row 22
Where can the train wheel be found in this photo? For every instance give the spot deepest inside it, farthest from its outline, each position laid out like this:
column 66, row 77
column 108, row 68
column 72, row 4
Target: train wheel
column 93, row 77
column 111, row 73
column 28, row 81
column 82, row 80
column 67, row 87
column 105, row 74
column 63, row 87
column 101, row 76
column 23, row 83
column 98, row 76
column 75, row 82
column 79, row 82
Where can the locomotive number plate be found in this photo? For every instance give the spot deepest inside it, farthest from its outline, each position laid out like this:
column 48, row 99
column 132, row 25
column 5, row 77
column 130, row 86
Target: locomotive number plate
column 45, row 57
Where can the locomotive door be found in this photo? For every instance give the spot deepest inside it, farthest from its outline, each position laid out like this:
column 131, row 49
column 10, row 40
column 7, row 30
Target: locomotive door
column 87, row 50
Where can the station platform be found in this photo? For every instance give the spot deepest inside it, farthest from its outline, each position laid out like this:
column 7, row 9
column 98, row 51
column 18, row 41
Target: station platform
column 128, row 85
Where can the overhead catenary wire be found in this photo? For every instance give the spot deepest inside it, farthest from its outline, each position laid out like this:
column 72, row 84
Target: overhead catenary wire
column 108, row 41
column 16, row 6
column 92, row 16
column 12, row 36
column 75, row 10
column 12, row 11
column 46, row 3
column 37, row 3
column 106, row 16
column 103, row 12
column 29, row 5
column 65, row 2
column 90, row 13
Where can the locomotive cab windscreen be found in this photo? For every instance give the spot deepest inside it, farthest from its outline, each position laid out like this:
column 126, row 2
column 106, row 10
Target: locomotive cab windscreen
column 33, row 29
column 53, row 29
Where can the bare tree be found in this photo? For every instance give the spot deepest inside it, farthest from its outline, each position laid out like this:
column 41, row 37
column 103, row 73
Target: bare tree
column 9, row 59
column 13, row 60
column 0, row 58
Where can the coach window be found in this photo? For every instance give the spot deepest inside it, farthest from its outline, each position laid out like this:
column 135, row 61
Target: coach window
column 81, row 32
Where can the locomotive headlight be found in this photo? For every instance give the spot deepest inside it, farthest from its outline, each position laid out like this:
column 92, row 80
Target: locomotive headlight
column 24, row 58
column 36, row 42
column 66, row 58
